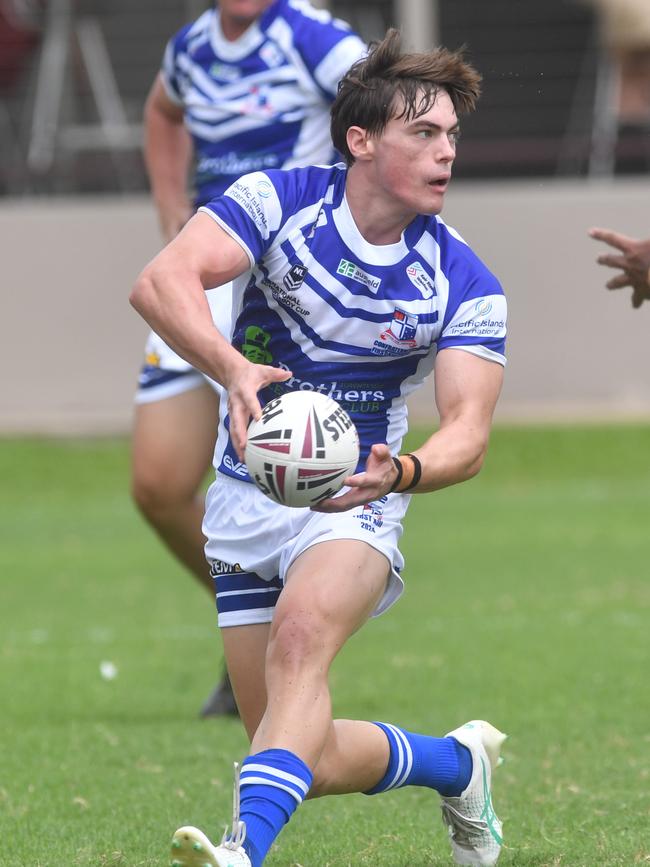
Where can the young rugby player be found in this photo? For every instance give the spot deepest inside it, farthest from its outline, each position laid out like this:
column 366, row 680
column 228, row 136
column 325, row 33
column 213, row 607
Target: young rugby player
column 353, row 286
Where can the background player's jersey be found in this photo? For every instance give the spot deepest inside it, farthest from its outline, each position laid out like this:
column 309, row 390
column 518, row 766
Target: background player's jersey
column 359, row 322
column 261, row 101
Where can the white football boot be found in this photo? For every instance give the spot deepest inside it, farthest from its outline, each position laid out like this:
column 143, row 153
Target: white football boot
column 191, row 848
column 474, row 828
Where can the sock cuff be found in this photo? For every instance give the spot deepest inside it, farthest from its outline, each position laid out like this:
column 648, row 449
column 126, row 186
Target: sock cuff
column 400, row 762
column 280, row 769
column 422, row 760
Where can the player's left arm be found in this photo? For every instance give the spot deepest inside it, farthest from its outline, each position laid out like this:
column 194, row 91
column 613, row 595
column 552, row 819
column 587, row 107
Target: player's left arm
column 467, row 388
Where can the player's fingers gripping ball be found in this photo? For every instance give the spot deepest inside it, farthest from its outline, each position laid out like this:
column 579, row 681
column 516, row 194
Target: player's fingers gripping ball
column 302, row 448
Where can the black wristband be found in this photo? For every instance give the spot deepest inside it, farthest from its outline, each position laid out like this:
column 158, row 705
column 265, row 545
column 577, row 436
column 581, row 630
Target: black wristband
column 400, row 473
column 417, row 472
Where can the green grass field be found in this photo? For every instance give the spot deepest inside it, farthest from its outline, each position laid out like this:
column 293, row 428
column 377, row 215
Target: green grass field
column 528, row 603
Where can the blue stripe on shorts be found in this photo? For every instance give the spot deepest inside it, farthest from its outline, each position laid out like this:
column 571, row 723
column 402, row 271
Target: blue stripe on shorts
column 151, row 376
column 242, row 591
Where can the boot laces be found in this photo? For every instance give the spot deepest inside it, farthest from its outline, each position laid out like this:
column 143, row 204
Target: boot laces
column 464, row 829
column 234, row 838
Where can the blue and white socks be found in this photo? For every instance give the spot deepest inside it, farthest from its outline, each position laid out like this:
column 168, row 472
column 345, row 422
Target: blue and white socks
column 272, row 784
column 420, row 760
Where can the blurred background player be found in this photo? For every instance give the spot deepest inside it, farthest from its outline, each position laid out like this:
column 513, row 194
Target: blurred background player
column 294, row 584
column 245, row 87
column 625, row 38
column 633, row 261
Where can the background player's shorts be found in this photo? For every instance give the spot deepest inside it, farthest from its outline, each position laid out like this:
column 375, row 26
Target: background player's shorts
column 252, row 542
column 164, row 373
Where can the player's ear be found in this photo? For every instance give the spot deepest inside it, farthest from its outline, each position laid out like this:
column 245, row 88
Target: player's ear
column 359, row 143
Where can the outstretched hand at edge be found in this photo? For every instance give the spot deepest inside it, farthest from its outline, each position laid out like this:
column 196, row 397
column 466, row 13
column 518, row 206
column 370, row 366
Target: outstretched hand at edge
column 633, row 262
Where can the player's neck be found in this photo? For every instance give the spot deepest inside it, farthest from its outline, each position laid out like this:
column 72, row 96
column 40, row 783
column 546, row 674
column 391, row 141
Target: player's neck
column 380, row 222
column 233, row 28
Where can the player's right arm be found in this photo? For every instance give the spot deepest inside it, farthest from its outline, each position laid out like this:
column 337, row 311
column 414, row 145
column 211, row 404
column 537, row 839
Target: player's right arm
column 169, row 294
column 467, row 388
column 167, row 155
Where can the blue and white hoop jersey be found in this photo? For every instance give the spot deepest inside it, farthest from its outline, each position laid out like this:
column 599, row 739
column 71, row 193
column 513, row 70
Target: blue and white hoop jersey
column 262, row 101
column 359, row 322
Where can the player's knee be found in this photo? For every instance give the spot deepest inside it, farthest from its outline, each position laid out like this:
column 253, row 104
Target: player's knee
column 298, row 641
column 144, row 493
column 154, row 496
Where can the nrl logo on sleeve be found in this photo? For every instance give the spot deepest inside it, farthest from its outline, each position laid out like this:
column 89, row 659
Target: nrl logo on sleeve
column 420, row 279
column 294, row 278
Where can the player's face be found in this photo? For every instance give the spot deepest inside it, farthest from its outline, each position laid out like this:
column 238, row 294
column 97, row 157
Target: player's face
column 243, row 12
column 413, row 158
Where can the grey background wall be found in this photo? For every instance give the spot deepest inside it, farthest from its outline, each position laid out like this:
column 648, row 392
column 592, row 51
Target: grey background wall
column 575, row 350
column 70, row 345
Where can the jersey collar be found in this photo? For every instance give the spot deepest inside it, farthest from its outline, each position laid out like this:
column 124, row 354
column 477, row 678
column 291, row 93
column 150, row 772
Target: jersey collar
column 371, row 254
column 226, row 50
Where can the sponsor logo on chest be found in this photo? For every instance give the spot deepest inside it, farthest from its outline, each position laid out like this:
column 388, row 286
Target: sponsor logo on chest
column 282, row 296
column 399, row 337
column 349, row 269
column 259, row 101
column 271, row 54
column 294, row 278
column 420, row 279
column 224, row 72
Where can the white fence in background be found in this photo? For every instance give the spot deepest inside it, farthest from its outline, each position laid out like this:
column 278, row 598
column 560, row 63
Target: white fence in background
column 71, row 345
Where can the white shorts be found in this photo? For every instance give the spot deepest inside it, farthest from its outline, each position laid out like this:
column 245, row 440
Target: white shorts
column 253, row 541
column 164, row 373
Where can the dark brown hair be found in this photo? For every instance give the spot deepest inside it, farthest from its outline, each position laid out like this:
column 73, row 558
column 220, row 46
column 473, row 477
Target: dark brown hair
column 369, row 94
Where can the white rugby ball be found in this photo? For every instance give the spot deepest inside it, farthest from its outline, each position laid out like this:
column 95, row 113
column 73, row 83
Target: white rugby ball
column 302, row 448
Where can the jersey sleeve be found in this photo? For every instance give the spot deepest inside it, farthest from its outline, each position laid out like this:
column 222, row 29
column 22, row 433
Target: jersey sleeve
column 476, row 315
column 253, row 209
column 334, row 65
column 169, row 67
column 328, row 48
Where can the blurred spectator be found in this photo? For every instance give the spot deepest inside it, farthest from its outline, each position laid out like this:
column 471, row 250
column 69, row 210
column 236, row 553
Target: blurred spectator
column 625, row 36
column 18, row 38
column 634, row 263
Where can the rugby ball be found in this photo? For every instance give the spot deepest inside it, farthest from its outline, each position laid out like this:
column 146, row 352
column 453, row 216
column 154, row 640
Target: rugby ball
column 301, row 448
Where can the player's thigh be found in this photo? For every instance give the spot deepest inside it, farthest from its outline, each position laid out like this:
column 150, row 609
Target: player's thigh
column 245, row 651
column 173, row 441
column 332, row 587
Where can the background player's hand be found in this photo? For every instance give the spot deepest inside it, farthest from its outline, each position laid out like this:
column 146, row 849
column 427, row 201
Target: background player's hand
column 243, row 384
column 375, row 482
column 634, row 263
column 173, row 218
